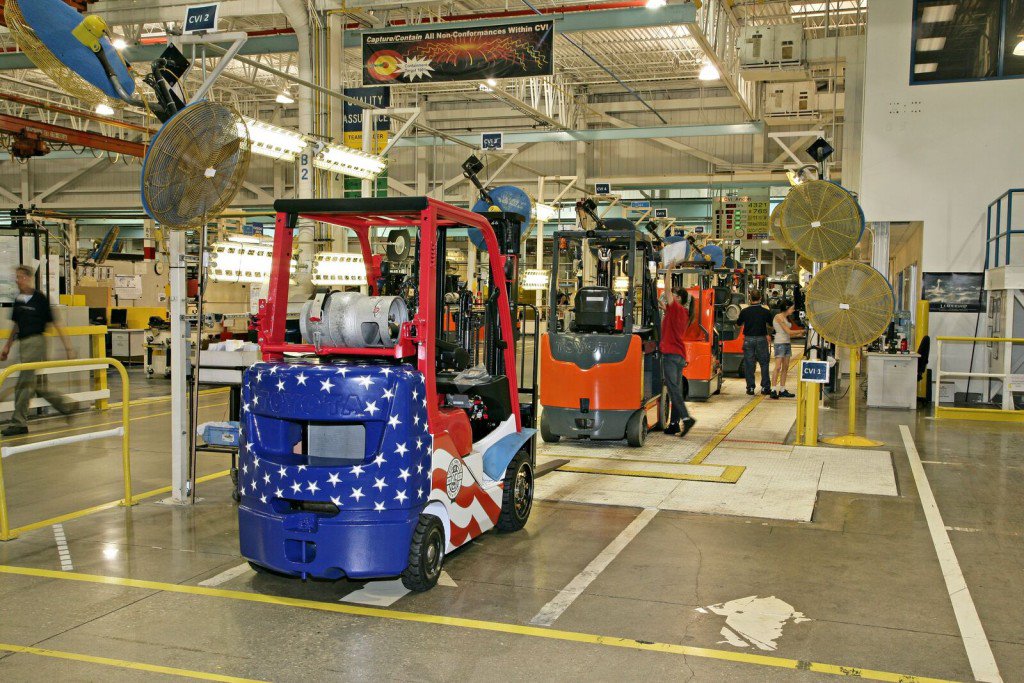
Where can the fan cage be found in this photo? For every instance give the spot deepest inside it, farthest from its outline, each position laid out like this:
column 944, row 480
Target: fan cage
column 849, row 303
column 821, row 221
column 40, row 55
column 195, row 165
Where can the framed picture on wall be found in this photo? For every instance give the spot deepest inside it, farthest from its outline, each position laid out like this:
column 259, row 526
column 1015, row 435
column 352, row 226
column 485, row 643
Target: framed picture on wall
column 966, row 40
column 954, row 292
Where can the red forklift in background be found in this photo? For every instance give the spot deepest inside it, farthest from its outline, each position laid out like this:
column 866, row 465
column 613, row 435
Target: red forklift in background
column 703, row 374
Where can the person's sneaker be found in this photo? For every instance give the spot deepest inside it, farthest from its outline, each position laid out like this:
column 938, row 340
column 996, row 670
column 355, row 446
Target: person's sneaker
column 786, row 394
column 14, row 430
column 687, row 425
column 774, row 395
column 672, row 429
column 750, row 391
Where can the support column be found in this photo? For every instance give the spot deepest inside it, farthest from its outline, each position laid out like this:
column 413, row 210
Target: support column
column 880, row 248
column 180, row 357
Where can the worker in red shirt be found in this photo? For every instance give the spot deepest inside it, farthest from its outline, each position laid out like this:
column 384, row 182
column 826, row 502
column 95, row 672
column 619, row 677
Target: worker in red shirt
column 673, row 357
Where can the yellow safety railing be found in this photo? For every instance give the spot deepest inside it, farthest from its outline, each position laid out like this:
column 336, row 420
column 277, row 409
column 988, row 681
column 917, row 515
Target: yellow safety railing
column 6, row 534
column 1007, row 412
column 98, row 348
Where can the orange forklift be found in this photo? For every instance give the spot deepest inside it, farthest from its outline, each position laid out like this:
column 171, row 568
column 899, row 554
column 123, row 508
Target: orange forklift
column 703, row 374
column 600, row 368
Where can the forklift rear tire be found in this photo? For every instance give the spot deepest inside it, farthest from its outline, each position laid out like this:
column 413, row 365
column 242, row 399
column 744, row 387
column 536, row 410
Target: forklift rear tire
column 426, row 555
column 636, row 429
column 546, row 433
column 517, row 499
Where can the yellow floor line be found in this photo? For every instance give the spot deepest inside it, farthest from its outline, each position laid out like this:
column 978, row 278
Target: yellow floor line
column 106, row 506
column 121, row 663
column 701, row 455
column 26, row 437
column 157, row 399
column 477, row 625
column 730, row 473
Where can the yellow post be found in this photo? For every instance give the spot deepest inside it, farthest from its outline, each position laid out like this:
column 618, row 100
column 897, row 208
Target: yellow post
column 126, row 462
column 812, row 394
column 801, row 412
column 5, row 528
column 851, row 438
column 99, row 377
column 920, row 332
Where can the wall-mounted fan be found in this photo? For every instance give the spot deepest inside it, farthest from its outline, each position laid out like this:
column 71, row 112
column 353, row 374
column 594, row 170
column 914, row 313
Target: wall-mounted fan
column 195, row 165
column 821, row 221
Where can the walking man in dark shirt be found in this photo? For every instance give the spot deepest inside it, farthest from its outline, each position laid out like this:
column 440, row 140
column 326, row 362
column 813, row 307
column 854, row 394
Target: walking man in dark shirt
column 756, row 321
column 673, row 358
column 31, row 314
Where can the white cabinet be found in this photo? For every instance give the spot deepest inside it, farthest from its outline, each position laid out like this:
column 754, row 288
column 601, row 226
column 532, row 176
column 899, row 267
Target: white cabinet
column 892, row 380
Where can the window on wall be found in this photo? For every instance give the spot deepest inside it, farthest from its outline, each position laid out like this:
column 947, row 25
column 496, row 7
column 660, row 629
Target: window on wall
column 967, row 40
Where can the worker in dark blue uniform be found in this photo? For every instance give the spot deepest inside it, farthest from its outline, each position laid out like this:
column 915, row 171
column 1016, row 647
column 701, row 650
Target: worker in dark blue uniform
column 756, row 321
column 31, row 314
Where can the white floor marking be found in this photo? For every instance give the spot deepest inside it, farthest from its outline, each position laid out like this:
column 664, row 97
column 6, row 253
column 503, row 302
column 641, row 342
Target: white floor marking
column 387, row 593
column 62, row 548
column 554, row 609
column 979, row 652
column 754, row 621
column 227, row 575
column 378, row 593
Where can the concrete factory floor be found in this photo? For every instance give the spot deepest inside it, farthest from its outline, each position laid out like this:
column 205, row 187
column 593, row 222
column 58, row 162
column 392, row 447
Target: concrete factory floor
column 632, row 587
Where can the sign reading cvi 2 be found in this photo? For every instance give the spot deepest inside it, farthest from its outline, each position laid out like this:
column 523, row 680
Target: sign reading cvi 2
column 201, row 18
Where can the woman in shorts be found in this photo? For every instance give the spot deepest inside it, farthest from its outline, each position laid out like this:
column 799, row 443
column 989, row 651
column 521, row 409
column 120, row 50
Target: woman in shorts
column 783, row 349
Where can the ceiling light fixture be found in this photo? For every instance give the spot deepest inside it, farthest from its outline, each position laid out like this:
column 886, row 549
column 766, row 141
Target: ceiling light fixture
column 273, row 141
column 244, row 263
column 348, row 161
column 104, row 109
column 655, row 4
column 545, row 212
column 938, row 14
column 338, row 268
column 119, row 43
column 1018, row 51
column 536, row 279
column 708, row 72
column 284, row 98
column 492, row 82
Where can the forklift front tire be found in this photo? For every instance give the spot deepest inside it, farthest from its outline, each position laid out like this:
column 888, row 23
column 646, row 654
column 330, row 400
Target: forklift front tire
column 426, row 555
column 546, row 433
column 636, row 429
column 517, row 498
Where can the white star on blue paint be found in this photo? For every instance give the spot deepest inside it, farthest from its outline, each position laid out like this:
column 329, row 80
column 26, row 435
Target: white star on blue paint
column 326, row 384
column 357, row 494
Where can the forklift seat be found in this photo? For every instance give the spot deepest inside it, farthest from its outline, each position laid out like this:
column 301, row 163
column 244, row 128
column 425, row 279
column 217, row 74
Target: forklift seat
column 594, row 310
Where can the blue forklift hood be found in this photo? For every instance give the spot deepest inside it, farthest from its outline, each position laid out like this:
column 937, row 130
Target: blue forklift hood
column 280, row 399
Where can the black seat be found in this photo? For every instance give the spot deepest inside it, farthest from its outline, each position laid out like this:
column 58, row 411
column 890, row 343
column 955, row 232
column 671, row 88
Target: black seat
column 594, row 310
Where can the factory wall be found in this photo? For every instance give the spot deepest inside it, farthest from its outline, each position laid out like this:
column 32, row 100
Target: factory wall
column 937, row 153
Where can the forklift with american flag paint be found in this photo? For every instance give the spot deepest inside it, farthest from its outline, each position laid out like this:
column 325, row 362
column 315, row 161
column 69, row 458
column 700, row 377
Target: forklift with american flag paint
column 373, row 442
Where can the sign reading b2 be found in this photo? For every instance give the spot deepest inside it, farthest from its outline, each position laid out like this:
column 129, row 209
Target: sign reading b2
column 200, row 18
column 815, row 371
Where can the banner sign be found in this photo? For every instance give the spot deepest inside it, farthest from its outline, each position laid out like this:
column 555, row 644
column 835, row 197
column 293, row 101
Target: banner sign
column 954, row 292
column 378, row 98
column 436, row 54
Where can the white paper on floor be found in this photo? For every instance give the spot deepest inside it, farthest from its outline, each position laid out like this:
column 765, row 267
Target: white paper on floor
column 754, row 621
